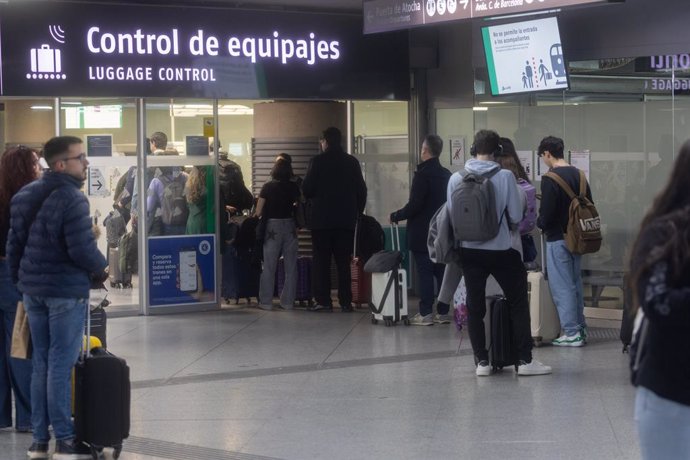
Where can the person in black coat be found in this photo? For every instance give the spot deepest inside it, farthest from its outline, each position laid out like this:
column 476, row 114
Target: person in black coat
column 336, row 190
column 427, row 194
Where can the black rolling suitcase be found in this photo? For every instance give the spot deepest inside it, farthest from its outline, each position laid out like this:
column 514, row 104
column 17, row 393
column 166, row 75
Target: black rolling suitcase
column 501, row 351
column 101, row 399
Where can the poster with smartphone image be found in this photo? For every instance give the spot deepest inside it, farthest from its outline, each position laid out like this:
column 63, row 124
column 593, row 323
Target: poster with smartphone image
column 182, row 270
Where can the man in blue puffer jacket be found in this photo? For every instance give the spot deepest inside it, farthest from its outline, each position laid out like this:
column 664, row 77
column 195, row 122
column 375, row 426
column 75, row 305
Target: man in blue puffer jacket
column 53, row 258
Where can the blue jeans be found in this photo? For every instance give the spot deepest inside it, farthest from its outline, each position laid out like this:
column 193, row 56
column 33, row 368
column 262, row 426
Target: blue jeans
column 57, row 327
column 565, row 282
column 15, row 374
column 663, row 426
column 427, row 271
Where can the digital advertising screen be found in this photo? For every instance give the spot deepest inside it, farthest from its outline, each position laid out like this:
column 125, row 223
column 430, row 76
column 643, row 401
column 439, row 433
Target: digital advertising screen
column 525, row 57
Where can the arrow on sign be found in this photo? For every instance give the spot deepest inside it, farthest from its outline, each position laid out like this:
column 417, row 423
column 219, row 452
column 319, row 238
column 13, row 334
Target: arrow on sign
column 98, row 185
column 464, row 4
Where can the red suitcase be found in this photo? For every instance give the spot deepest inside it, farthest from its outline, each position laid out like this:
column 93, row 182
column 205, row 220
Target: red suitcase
column 360, row 283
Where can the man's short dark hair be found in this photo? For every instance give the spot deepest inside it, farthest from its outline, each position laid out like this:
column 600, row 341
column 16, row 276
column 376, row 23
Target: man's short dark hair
column 160, row 140
column 435, row 144
column 57, row 146
column 554, row 145
column 333, row 136
column 486, row 142
column 285, row 157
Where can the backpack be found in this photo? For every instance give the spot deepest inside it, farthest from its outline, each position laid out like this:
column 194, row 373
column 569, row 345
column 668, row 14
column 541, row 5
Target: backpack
column 173, row 205
column 474, row 216
column 583, row 233
column 528, row 222
column 233, row 192
column 128, row 253
column 115, row 227
column 370, row 237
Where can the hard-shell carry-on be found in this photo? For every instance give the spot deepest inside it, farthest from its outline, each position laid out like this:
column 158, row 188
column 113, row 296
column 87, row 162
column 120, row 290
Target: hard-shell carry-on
column 389, row 287
column 303, row 293
column 501, row 351
column 545, row 323
column 101, row 399
column 118, row 279
column 361, row 280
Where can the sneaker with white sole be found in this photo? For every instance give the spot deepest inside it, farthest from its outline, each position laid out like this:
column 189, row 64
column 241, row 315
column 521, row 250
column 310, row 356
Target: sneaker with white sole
column 585, row 332
column 575, row 340
column 483, row 369
column 71, row 450
column 534, row 367
column 38, row 450
column 419, row 320
column 442, row 319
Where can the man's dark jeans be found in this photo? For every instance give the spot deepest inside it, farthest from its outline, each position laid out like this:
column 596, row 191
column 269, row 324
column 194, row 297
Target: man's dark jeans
column 337, row 243
column 509, row 271
column 427, row 271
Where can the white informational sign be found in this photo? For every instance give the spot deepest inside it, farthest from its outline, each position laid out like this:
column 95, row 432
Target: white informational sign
column 526, row 157
column 525, row 57
column 581, row 160
column 457, row 150
column 97, row 183
column 541, row 168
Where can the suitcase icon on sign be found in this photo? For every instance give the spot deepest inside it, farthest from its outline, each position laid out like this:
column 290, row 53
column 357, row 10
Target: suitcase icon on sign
column 45, row 60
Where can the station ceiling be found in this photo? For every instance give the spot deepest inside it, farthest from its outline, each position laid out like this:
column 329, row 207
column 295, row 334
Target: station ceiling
column 352, row 6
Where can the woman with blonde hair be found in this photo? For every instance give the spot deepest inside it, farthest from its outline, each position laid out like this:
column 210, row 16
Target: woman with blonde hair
column 18, row 167
column 199, row 201
column 660, row 278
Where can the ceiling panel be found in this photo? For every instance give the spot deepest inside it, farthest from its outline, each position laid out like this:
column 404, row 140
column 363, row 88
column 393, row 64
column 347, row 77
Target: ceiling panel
column 316, row 5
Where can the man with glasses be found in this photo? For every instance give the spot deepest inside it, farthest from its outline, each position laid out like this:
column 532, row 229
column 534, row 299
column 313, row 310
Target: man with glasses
column 53, row 258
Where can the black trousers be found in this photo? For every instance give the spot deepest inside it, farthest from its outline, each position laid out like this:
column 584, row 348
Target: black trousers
column 509, row 271
column 336, row 243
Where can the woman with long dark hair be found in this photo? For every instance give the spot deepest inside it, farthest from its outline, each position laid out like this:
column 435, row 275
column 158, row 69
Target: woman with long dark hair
column 18, row 166
column 276, row 207
column 660, row 278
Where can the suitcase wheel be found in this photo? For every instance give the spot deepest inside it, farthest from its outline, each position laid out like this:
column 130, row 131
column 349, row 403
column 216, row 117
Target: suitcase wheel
column 537, row 341
column 374, row 320
column 97, row 452
column 388, row 322
column 117, row 450
column 406, row 321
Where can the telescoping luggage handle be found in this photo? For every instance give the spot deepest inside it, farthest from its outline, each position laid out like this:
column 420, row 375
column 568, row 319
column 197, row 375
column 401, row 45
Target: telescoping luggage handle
column 394, row 236
column 86, row 344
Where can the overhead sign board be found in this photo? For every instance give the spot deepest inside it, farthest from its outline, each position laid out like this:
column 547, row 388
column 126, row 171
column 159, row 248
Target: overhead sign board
column 387, row 15
column 117, row 50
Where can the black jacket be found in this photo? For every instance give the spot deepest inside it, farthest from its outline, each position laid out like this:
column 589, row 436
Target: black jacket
column 336, row 189
column 427, row 194
column 665, row 357
column 553, row 211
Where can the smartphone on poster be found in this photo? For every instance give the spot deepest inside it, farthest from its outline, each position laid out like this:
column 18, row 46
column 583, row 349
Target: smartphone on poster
column 188, row 270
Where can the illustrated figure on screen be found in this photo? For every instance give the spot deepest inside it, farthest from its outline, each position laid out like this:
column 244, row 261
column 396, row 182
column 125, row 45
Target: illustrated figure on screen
column 544, row 73
column 529, row 74
column 524, row 80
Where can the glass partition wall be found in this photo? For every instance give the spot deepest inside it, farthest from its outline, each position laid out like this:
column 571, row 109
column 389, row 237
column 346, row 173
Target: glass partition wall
column 621, row 120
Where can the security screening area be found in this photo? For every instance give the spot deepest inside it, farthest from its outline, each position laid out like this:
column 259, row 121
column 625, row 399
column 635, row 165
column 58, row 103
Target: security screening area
column 284, row 193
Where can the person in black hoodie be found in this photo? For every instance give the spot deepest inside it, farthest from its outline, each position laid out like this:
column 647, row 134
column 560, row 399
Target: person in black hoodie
column 427, row 194
column 338, row 194
column 660, row 269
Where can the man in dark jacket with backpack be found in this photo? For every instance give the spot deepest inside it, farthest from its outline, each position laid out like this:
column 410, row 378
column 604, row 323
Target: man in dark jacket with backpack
column 427, row 194
column 338, row 194
column 565, row 276
column 53, row 258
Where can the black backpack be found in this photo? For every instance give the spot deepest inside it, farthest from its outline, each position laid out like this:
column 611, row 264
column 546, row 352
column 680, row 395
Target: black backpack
column 233, row 192
column 370, row 237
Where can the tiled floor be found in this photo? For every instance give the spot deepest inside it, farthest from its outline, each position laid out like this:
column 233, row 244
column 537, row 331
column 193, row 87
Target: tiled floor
column 247, row 384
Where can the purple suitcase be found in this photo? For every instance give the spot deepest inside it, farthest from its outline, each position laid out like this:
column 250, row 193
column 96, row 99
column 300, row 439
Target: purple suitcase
column 303, row 293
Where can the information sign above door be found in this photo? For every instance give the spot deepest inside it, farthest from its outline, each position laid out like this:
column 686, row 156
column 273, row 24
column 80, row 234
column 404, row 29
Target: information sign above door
column 387, row 15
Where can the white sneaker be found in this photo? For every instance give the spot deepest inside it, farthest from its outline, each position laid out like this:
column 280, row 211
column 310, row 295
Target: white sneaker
column 442, row 319
column 575, row 340
column 483, row 369
column 533, row 368
column 419, row 320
